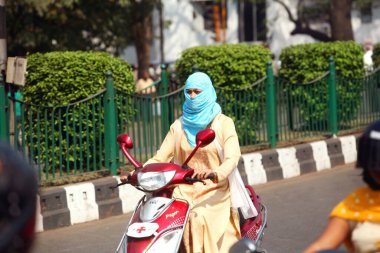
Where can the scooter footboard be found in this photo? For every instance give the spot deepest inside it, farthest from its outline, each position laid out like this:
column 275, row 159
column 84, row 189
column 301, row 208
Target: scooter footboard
column 163, row 232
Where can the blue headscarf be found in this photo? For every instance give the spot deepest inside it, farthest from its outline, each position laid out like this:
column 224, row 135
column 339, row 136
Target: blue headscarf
column 200, row 111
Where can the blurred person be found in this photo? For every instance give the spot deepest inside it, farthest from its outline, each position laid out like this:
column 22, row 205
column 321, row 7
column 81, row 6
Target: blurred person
column 152, row 72
column 158, row 71
column 355, row 221
column 18, row 193
column 275, row 65
column 367, row 58
column 145, row 84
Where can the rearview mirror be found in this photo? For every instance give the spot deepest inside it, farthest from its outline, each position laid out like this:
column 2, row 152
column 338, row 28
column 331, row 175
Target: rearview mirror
column 205, row 137
column 125, row 140
column 126, row 143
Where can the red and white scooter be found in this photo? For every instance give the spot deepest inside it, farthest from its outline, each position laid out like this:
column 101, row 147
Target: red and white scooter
column 158, row 221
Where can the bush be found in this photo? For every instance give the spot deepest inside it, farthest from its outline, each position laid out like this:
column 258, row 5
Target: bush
column 229, row 66
column 232, row 68
column 59, row 78
column 65, row 136
column 304, row 63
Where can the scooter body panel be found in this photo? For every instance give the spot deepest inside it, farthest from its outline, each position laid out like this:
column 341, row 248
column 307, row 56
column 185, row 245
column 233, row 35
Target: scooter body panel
column 169, row 215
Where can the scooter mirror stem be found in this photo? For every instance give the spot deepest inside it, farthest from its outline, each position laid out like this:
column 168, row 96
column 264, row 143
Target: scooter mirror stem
column 203, row 138
column 191, row 155
column 126, row 143
column 130, row 158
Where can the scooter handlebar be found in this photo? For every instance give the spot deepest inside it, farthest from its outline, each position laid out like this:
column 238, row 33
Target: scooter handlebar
column 123, row 183
column 189, row 179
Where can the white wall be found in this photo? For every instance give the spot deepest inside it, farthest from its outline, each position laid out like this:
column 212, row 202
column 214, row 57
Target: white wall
column 184, row 31
column 279, row 26
column 369, row 31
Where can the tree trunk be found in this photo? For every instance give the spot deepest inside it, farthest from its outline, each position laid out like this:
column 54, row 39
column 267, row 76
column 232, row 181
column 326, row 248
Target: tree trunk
column 142, row 29
column 3, row 37
column 142, row 32
column 340, row 16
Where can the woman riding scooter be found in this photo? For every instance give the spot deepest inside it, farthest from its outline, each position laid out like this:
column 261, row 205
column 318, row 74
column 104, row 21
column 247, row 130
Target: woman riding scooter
column 213, row 224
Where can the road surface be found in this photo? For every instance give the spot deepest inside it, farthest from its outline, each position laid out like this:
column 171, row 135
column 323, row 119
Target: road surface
column 297, row 212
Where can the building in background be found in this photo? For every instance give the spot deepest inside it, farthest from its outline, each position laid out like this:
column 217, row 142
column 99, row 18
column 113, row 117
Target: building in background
column 189, row 23
column 365, row 24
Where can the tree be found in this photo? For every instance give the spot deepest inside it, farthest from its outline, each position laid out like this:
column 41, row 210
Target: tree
column 140, row 13
column 338, row 15
column 102, row 25
column 41, row 26
column 3, row 44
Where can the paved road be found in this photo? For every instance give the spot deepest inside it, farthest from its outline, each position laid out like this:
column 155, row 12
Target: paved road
column 297, row 207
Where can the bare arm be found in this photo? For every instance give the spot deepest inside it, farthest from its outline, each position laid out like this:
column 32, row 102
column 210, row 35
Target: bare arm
column 335, row 233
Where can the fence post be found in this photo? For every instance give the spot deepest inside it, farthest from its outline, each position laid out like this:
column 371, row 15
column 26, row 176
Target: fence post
column 271, row 107
column 332, row 98
column 110, row 125
column 4, row 122
column 165, row 115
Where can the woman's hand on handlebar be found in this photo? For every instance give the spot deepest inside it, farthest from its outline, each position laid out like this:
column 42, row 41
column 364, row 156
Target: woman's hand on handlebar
column 203, row 174
column 125, row 176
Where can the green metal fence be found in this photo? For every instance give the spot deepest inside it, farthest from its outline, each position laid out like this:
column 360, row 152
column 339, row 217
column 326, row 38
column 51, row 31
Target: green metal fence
column 360, row 104
column 247, row 108
column 81, row 137
column 301, row 109
column 147, row 118
column 64, row 140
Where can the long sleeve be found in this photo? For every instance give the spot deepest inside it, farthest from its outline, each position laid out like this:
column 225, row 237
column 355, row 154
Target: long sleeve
column 230, row 144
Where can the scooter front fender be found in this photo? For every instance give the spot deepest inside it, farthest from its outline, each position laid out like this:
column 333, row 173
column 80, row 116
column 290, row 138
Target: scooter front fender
column 171, row 221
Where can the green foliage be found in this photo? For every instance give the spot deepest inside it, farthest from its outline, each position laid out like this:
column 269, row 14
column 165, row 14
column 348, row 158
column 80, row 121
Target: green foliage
column 59, row 123
column 229, row 66
column 232, row 69
column 306, row 62
column 301, row 64
column 376, row 55
column 59, row 78
column 45, row 25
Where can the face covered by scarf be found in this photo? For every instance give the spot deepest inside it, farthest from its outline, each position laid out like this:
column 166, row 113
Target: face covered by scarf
column 198, row 112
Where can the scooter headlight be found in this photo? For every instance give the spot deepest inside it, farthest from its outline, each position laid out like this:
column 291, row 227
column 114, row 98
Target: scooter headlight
column 168, row 242
column 152, row 181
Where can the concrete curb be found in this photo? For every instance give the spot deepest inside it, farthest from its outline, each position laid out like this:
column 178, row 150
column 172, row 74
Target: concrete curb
column 83, row 202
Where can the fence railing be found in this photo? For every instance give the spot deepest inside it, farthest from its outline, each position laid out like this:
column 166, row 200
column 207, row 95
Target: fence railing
column 80, row 137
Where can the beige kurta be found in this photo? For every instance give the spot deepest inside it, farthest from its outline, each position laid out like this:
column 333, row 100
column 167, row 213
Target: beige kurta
column 213, row 226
